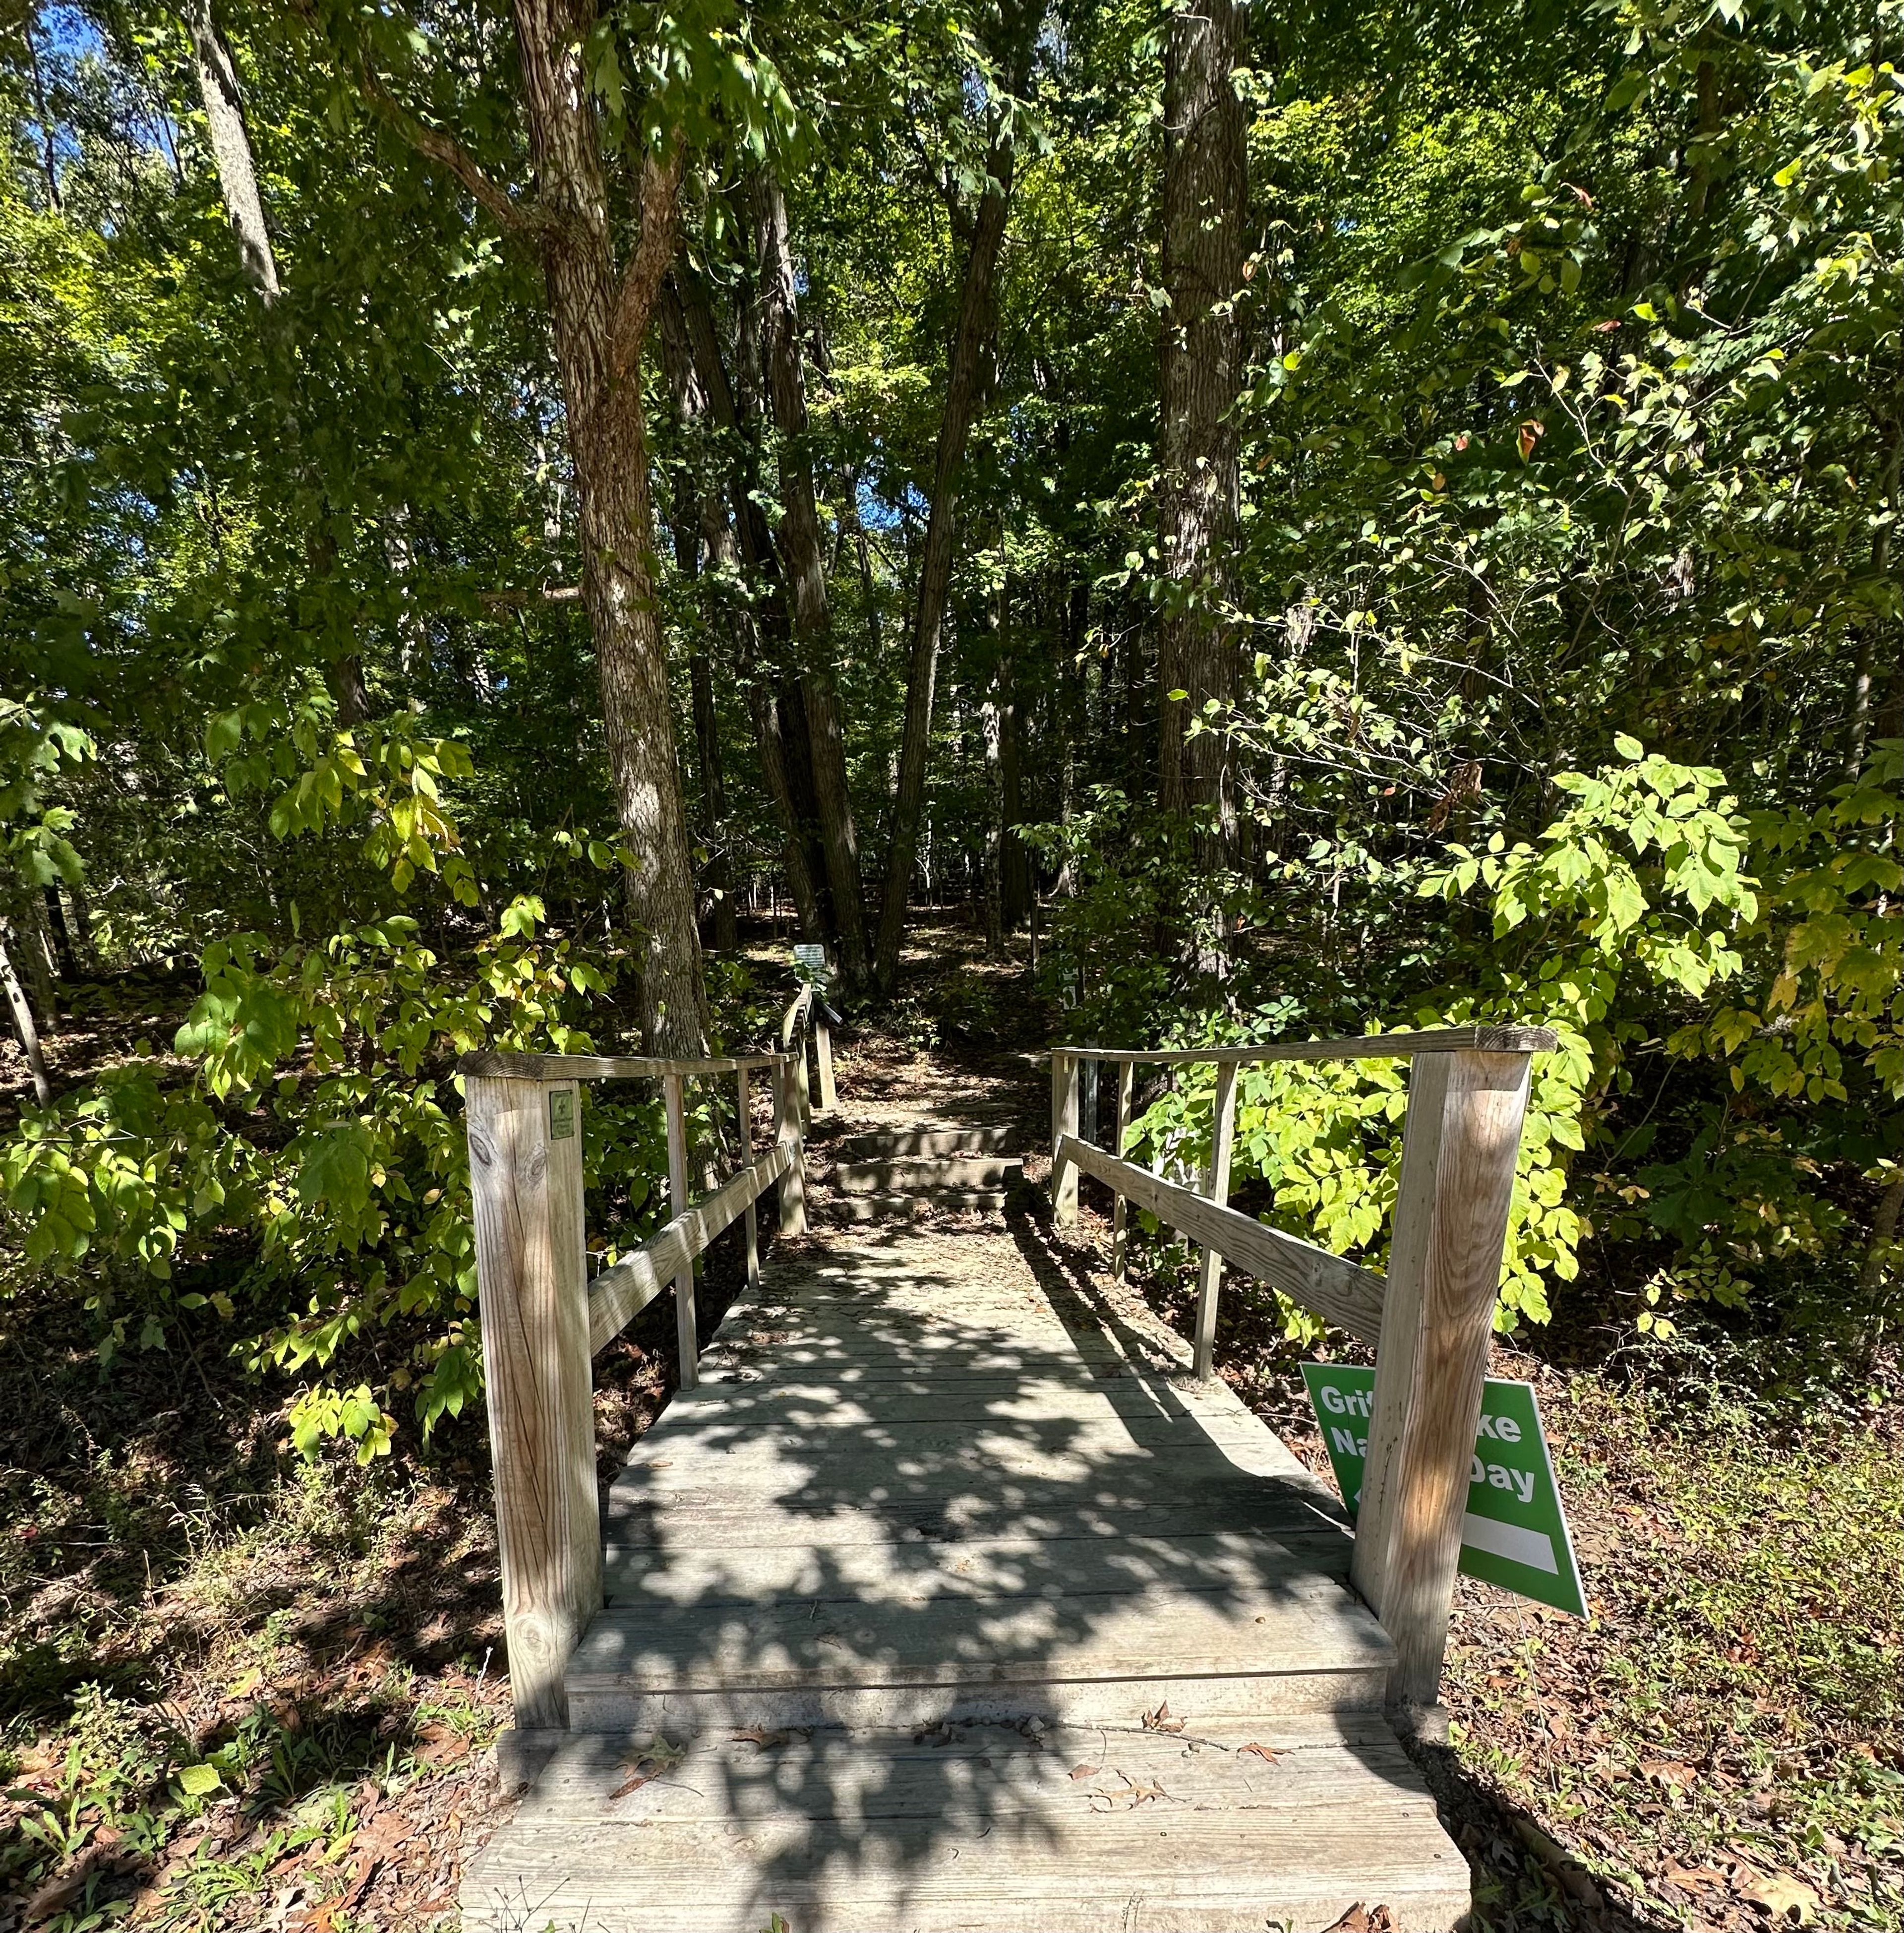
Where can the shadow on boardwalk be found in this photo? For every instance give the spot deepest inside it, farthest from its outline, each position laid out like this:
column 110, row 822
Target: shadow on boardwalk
column 946, row 1596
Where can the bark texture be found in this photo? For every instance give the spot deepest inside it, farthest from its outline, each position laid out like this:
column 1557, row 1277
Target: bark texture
column 600, row 314
column 231, row 148
column 1205, row 204
column 965, row 389
column 769, row 700
column 803, row 553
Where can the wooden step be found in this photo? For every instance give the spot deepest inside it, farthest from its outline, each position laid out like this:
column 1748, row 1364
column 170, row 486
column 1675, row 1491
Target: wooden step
column 910, row 1174
column 861, row 1210
column 927, row 1138
column 1022, row 1827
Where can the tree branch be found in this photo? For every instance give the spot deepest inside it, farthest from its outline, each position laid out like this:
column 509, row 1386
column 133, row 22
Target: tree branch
column 517, row 218
column 654, row 250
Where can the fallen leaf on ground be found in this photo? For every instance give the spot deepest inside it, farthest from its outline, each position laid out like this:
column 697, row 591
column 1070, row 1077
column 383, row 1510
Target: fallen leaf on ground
column 1669, row 1772
column 1693, row 1877
column 1361, row 1919
column 1085, row 1771
column 1785, row 1896
column 1161, row 1721
column 766, row 1739
column 1267, row 1754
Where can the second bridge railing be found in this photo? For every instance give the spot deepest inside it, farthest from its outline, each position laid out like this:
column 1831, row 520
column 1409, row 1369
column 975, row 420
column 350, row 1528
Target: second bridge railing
column 1430, row 1319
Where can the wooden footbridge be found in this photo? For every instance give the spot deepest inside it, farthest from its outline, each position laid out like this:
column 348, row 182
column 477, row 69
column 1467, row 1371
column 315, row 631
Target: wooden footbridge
column 951, row 1591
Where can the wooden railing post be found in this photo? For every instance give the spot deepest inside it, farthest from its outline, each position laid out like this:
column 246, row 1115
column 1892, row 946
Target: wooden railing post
column 1119, row 1207
column 744, row 1125
column 1222, row 1132
column 531, row 1282
column 823, row 1058
column 790, row 1123
column 1458, row 1152
column 1063, row 1121
column 671, row 1087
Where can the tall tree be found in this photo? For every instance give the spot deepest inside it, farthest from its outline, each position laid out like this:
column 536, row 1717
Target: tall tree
column 965, row 390
column 804, row 553
column 1205, row 206
column 600, row 309
column 231, row 147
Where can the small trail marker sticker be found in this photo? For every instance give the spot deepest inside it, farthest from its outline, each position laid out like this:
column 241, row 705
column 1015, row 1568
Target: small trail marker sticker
column 1515, row 1533
column 561, row 1113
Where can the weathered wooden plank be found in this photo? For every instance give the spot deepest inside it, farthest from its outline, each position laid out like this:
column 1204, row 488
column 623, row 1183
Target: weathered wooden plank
column 819, row 1570
column 600, row 1066
column 1120, row 1207
column 1462, row 1138
column 1362, row 1046
column 1210, row 1269
column 1333, row 1288
column 744, row 1128
column 790, row 1115
column 1063, row 1128
column 532, row 1278
column 1304, row 1624
column 619, row 1293
column 988, row 1831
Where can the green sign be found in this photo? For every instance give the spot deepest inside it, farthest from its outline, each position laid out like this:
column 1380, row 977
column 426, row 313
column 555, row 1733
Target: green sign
column 1515, row 1533
column 561, row 1113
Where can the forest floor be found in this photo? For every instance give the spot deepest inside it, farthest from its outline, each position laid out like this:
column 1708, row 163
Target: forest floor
column 240, row 1691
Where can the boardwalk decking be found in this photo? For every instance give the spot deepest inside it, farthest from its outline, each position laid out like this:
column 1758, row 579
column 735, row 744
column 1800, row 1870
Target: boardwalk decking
column 948, row 1601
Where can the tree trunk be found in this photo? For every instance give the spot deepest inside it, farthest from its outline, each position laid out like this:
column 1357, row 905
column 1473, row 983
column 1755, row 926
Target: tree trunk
column 783, row 764
column 600, row 319
column 964, row 390
column 1205, row 195
column 231, row 148
column 805, row 557
column 699, row 519
column 23, row 1025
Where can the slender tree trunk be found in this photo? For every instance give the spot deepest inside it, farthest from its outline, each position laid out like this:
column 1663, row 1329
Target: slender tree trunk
column 783, row 763
column 699, row 519
column 600, row 319
column 18, row 1005
column 62, row 940
column 805, row 555
column 1205, row 196
column 964, row 388
column 231, row 148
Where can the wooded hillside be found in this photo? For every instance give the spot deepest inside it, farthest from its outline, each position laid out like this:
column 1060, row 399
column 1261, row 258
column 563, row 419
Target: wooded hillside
column 1302, row 522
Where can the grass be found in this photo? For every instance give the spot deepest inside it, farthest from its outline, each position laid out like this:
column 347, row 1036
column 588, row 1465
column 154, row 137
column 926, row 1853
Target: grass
column 1719, row 1742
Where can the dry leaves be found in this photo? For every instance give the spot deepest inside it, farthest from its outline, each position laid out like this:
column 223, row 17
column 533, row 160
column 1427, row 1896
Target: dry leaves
column 1085, row 1771
column 659, row 1756
column 1784, row 1896
column 1361, row 1919
column 1267, row 1754
column 766, row 1739
column 1161, row 1721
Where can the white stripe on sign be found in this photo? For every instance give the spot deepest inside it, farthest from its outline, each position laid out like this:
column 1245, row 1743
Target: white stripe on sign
column 1534, row 1548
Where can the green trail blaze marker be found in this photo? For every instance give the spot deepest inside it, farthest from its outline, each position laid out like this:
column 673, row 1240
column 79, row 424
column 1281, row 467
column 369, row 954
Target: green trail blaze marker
column 1515, row 1534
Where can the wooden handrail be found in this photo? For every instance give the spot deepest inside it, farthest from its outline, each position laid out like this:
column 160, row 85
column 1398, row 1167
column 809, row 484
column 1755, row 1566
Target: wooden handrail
column 1431, row 1318
column 807, row 1012
column 1341, row 1292
column 603, row 1066
column 1359, row 1046
column 542, row 1320
column 620, row 1292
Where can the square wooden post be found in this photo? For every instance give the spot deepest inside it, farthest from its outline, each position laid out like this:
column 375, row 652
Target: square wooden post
column 532, row 1283
column 1222, row 1133
column 1120, row 1209
column 673, row 1096
column 1063, row 1121
column 1458, row 1153
column 823, row 1058
column 745, row 1126
column 790, row 1124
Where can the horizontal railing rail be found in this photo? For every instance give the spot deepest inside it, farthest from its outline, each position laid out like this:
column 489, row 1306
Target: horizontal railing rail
column 806, row 1018
column 1431, row 1318
column 543, row 1320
